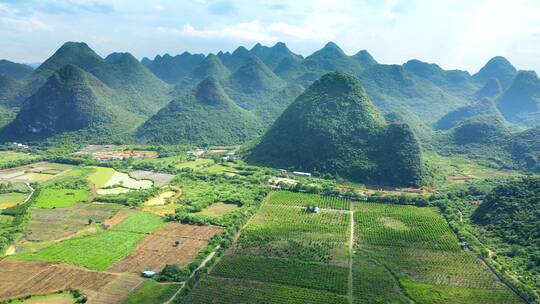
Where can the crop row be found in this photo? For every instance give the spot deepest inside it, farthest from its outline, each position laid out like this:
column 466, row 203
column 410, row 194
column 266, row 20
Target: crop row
column 284, row 271
column 403, row 226
column 287, row 198
column 233, row 291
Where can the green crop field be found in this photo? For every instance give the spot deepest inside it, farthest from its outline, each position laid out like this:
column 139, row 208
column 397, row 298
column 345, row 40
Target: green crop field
column 10, row 157
column 306, row 199
column 232, row 291
column 400, row 254
column 152, row 292
column 284, row 255
column 97, row 251
column 101, row 176
column 100, row 250
column 195, row 164
column 417, row 256
column 141, row 222
column 284, row 271
column 60, row 198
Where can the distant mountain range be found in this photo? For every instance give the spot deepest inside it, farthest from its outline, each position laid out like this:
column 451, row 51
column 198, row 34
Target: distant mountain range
column 78, row 94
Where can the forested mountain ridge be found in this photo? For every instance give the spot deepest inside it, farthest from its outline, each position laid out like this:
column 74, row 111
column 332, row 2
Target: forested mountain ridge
column 333, row 127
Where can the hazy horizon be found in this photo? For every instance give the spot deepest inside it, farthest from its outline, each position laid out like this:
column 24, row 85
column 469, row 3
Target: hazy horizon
column 452, row 34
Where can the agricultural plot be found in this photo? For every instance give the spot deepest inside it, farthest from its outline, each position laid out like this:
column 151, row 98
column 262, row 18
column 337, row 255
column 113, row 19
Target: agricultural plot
column 161, row 199
column 284, row 255
column 113, row 191
column 418, row 257
column 233, row 291
column 199, row 163
column 11, row 199
column 292, row 232
column 53, row 224
column 219, row 209
column 174, row 244
column 98, row 251
column 101, row 176
column 50, row 198
column 124, row 180
column 34, row 173
column 10, row 157
column 21, row 278
column 286, row 198
column 159, row 179
column 152, row 292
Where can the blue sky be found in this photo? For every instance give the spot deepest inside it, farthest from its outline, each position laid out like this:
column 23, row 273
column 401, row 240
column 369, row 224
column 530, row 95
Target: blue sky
column 460, row 34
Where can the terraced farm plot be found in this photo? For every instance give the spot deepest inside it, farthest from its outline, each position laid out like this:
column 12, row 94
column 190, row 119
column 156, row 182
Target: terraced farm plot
column 160, row 248
column 417, row 257
column 11, row 199
column 287, row 198
column 53, row 224
column 34, row 173
column 21, row 278
column 100, row 250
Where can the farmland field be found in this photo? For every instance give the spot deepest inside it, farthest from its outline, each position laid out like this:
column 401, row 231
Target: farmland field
column 152, row 292
column 284, row 255
column 160, row 248
column 195, row 164
column 399, row 254
column 414, row 248
column 286, row 198
column 60, row 198
column 219, row 209
column 124, row 180
column 98, row 251
column 101, row 176
column 52, row 224
column 9, row 157
column 29, row 278
column 11, row 199
column 161, row 199
column 159, row 179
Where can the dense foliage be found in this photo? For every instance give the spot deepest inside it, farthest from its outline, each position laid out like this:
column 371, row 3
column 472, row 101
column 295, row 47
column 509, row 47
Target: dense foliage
column 333, row 127
column 512, row 210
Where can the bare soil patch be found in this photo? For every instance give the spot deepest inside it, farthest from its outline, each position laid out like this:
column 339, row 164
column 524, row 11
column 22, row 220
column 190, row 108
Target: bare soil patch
column 21, row 278
column 160, row 248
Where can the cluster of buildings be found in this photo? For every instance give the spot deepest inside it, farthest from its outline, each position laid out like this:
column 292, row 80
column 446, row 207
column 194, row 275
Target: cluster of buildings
column 108, row 156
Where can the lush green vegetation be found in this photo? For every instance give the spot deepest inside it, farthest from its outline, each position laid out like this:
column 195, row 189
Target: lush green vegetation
column 230, row 291
column 422, row 254
column 283, row 271
column 60, row 198
column 100, row 250
column 305, row 199
column 152, row 292
column 334, row 128
column 204, row 116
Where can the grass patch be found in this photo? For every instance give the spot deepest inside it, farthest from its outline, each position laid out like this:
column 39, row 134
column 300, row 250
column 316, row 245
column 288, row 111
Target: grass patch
column 101, row 176
column 141, row 222
column 219, row 209
column 60, row 198
column 97, row 251
column 101, row 250
column 11, row 199
column 152, row 292
column 199, row 163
